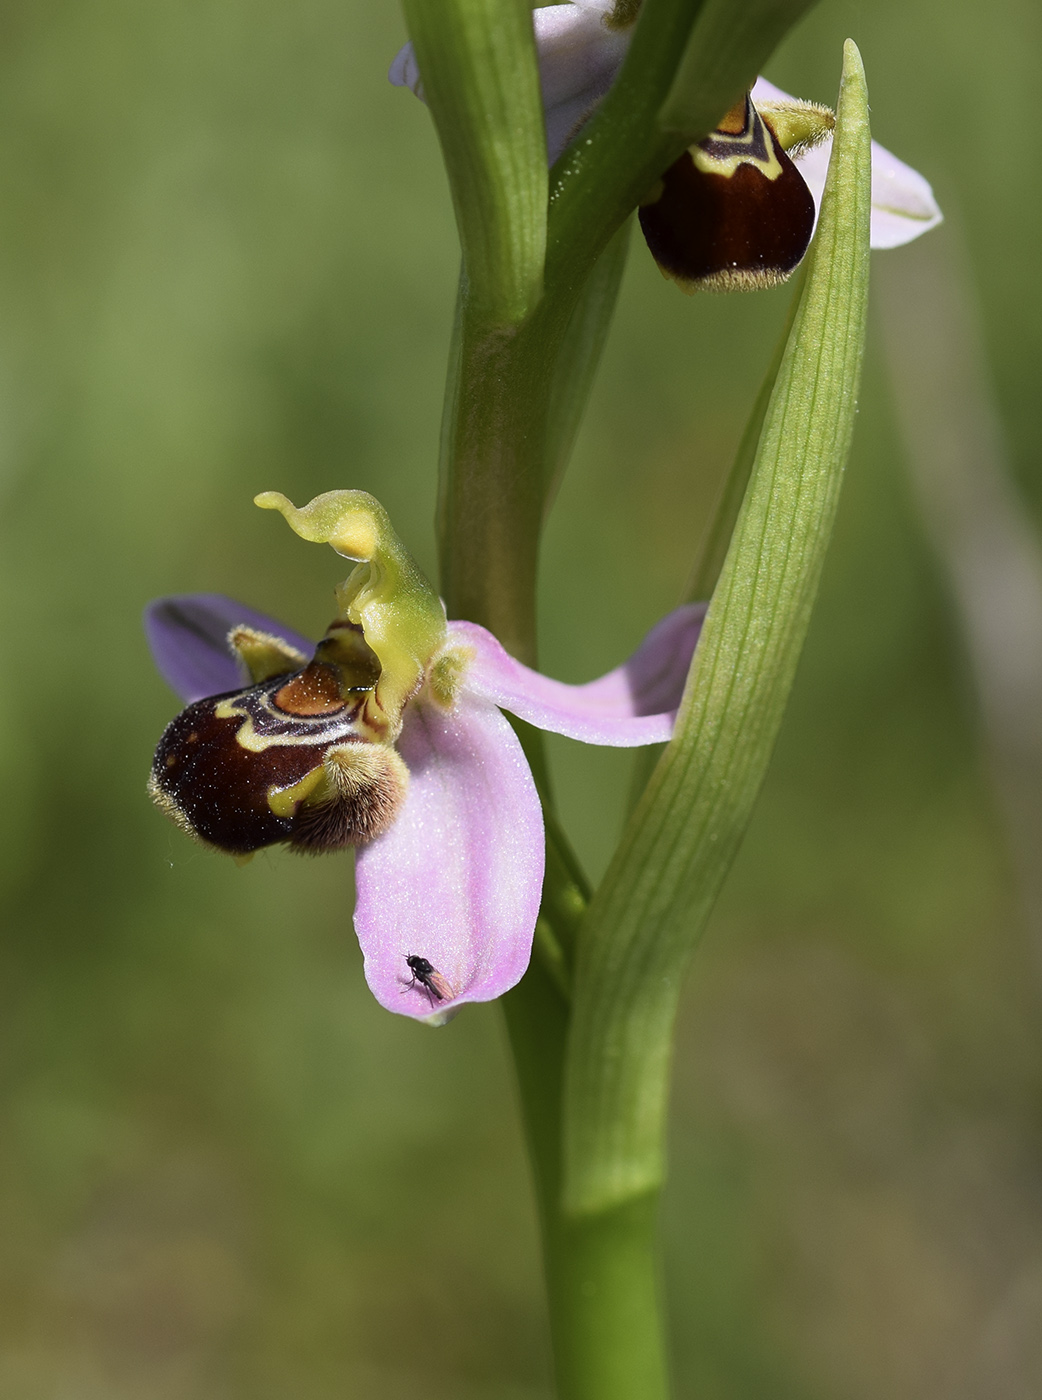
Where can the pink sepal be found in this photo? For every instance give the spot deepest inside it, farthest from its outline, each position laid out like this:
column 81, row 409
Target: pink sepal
column 634, row 704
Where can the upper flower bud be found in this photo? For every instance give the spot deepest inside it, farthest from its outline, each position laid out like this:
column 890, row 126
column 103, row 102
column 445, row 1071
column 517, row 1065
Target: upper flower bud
column 581, row 47
column 733, row 213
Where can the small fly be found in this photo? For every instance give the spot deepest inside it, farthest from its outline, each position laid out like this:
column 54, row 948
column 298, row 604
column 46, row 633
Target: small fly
column 430, row 979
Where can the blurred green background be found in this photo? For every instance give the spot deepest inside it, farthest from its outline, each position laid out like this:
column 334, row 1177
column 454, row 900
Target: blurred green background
column 227, row 264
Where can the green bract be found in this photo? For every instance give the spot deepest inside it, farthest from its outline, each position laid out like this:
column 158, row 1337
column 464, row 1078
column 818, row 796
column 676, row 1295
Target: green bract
column 665, row 876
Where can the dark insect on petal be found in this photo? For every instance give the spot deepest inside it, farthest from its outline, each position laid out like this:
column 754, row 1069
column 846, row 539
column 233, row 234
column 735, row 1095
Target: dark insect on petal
column 733, row 213
column 435, row 985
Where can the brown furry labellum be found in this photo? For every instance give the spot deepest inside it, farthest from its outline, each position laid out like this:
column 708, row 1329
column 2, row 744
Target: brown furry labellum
column 733, row 213
column 286, row 760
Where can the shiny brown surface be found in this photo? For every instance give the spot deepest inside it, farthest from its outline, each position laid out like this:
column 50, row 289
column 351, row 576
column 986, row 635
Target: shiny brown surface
column 220, row 788
column 314, row 691
column 742, row 229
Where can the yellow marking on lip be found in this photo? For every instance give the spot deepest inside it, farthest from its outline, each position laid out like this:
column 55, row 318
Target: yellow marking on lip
column 709, row 164
column 285, row 801
column 247, row 737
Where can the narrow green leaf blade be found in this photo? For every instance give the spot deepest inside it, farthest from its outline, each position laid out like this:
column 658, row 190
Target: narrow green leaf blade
column 714, row 544
column 580, row 355
column 480, row 78
column 679, row 844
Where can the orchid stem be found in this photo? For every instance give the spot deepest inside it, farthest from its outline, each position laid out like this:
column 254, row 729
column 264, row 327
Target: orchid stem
column 493, row 447
column 602, row 1270
column 606, row 1304
column 499, row 439
column 520, row 373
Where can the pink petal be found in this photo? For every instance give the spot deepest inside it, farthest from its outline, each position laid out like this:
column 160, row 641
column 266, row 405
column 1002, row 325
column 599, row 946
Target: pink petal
column 457, row 879
column 579, row 57
column 903, row 205
column 405, row 71
column 765, row 91
column 634, row 704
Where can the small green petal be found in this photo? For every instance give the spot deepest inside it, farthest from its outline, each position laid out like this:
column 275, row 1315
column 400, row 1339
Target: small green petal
column 386, row 595
column 798, row 125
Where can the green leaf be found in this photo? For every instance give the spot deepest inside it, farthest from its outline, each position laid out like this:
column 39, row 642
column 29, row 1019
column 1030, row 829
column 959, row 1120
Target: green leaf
column 714, row 544
column 663, row 881
column 480, row 79
column 728, row 46
column 599, row 180
column 580, row 355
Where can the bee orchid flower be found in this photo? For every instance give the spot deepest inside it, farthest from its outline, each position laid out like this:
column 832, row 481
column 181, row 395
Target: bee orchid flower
column 389, row 736
column 737, row 210
column 903, row 204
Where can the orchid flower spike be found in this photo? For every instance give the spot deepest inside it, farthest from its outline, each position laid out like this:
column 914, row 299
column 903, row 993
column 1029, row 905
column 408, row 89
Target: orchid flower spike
column 387, row 736
column 737, row 210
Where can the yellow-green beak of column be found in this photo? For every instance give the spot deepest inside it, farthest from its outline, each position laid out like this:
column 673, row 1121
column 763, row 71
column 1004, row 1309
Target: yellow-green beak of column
column 387, row 595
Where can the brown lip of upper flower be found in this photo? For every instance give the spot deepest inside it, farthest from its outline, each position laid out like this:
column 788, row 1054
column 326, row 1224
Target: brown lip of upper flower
column 732, row 213
column 579, row 57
